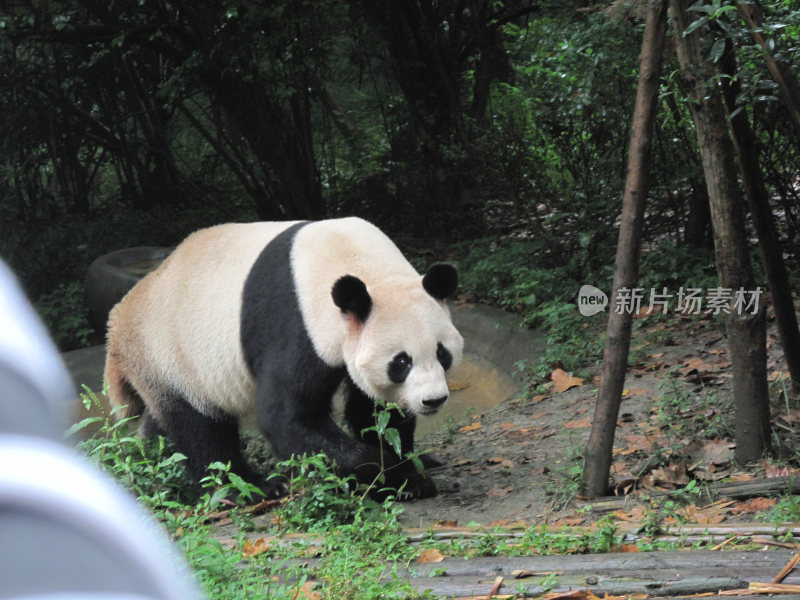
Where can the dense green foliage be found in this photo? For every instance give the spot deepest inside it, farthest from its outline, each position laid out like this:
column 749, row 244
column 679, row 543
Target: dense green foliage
column 505, row 122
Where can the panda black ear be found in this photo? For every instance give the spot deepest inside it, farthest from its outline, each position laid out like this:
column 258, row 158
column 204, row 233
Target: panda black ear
column 351, row 296
column 441, row 280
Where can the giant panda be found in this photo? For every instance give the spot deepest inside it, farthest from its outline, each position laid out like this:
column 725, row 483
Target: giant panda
column 272, row 318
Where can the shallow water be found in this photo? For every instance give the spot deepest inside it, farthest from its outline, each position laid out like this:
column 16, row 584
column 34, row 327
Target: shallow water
column 475, row 385
column 142, row 267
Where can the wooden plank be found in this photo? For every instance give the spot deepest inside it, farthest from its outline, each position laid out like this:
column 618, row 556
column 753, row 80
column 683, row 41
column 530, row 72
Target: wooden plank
column 738, row 489
column 651, row 573
column 466, row 587
column 675, row 573
column 770, row 563
column 629, row 530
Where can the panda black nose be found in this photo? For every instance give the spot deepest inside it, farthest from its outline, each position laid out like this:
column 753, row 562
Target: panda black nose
column 435, row 402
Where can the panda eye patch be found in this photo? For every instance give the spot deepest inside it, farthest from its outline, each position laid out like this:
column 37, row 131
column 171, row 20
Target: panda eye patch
column 443, row 356
column 399, row 367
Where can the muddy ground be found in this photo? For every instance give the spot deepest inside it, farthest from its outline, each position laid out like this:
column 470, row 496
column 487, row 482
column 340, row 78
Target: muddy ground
column 519, row 460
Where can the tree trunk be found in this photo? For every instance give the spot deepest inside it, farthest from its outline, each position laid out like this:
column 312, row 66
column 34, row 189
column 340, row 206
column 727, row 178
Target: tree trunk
column 745, row 325
column 626, row 267
column 279, row 138
column 747, row 150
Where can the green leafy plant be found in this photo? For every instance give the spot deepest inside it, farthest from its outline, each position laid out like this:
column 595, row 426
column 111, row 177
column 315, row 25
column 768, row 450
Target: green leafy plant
column 149, row 467
column 319, row 497
column 684, row 412
column 570, row 476
column 65, row 316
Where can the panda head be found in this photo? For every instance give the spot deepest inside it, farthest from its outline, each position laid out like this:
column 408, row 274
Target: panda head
column 399, row 342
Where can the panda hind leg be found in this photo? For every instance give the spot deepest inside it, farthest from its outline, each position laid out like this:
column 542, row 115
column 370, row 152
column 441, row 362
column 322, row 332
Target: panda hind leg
column 205, row 439
column 149, row 426
column 122, row 393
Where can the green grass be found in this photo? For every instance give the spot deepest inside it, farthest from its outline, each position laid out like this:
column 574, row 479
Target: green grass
column 360, row 537
column 354, row 548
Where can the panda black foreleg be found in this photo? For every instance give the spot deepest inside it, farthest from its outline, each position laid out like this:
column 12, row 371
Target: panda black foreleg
column 305, row 427
column 205, row 439
column 359, row 412
column 360, row 416
column 359, row 409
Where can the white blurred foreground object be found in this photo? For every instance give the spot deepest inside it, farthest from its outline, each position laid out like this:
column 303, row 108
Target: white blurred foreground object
column 66, row 530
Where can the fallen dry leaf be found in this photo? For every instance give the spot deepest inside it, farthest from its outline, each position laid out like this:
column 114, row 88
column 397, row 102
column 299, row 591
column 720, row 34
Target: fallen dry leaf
column 562, row 381
column 693, row 514
column 778, row 376
column 671, row 477
column 698, row 365
column 635, row 515
column 307, row 591
column 571, row 595
column 580, row 424
column 521, row 433
column 508, row 524
column 255, row 547
column 570, row 521
column 457, row 387
column 492, row 597
column 709, row 452
column 754, row 505
column 637, row 443
column 777, row 471
column 635, row 392
column 500, row 492
column 471, row 427
column 446, row 523
column 431, row 555
column 710, row 474
column 500, row 461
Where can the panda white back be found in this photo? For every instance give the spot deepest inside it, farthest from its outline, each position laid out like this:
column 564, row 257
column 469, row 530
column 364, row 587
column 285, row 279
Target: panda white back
column 179, row 318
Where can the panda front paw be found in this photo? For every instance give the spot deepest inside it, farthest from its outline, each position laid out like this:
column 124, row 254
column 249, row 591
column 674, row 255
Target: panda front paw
column 415, row 487
column 429, row 461
column 273, row 488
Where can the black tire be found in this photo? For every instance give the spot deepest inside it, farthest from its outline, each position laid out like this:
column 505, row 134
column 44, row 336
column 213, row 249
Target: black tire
column 110, row 277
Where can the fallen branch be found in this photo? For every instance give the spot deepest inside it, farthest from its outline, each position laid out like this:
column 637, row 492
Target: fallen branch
column 738, row 489
column 756, row 587
column 787, row 569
